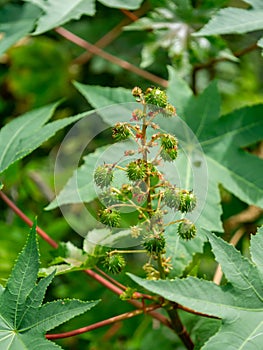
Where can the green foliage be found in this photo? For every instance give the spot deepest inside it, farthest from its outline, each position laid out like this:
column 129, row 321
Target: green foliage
column 30, row 132
column 16, row 23
column 68, row 258
column 24, row 320
column 239, row 303
column 56, row 13
column 235, row 20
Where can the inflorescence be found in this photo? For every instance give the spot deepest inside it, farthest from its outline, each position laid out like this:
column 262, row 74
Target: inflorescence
column 146, row 190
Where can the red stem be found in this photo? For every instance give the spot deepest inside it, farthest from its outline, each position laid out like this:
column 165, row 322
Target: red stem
column 136, row 295
column 113, row 59
column 104, row 282
column 130, row 15
column 135, row 303
column 103, row 323
column 29, row 222
column 118, row 284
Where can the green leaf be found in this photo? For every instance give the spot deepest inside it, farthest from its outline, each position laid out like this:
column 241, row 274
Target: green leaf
column 222, row 140
column 100, row 97
column 68, row 258
column 233, row 21
column 109, row 238
column 51, row 315
column 21, row 283
column 256, row 248
column 59, row 12
column 178, row 91
column 24, row 134
column 80, row 187
column 23, row 320
column 228, row 162
column 15, row 23
column 239, row 303
column 202, row 111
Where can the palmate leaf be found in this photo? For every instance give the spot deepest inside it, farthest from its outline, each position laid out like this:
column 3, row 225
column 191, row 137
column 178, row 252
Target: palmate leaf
column 23, row 319
column 25, row 133
column 239, row 303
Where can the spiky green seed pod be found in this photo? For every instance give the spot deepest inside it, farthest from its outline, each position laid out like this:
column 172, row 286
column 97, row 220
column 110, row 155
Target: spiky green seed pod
column 121, row 132
column 171, row 197
column 187, row 201
column 169, row 155
column 186, row 229
column 110, row 217
column 136, row 170
column 156, row 97
column 168, row 142
column 154, row 243
column 103, row 176
column 114, row 263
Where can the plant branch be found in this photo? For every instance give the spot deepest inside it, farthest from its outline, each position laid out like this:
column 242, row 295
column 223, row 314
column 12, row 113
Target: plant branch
column 186, row 309
column 26, row 219
column 103, row 323
column 113, row 59
column 132, row 16
column 110, row 36
column 136, row 295
column 180, row 329
column 112, row 280
column 135, row 303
